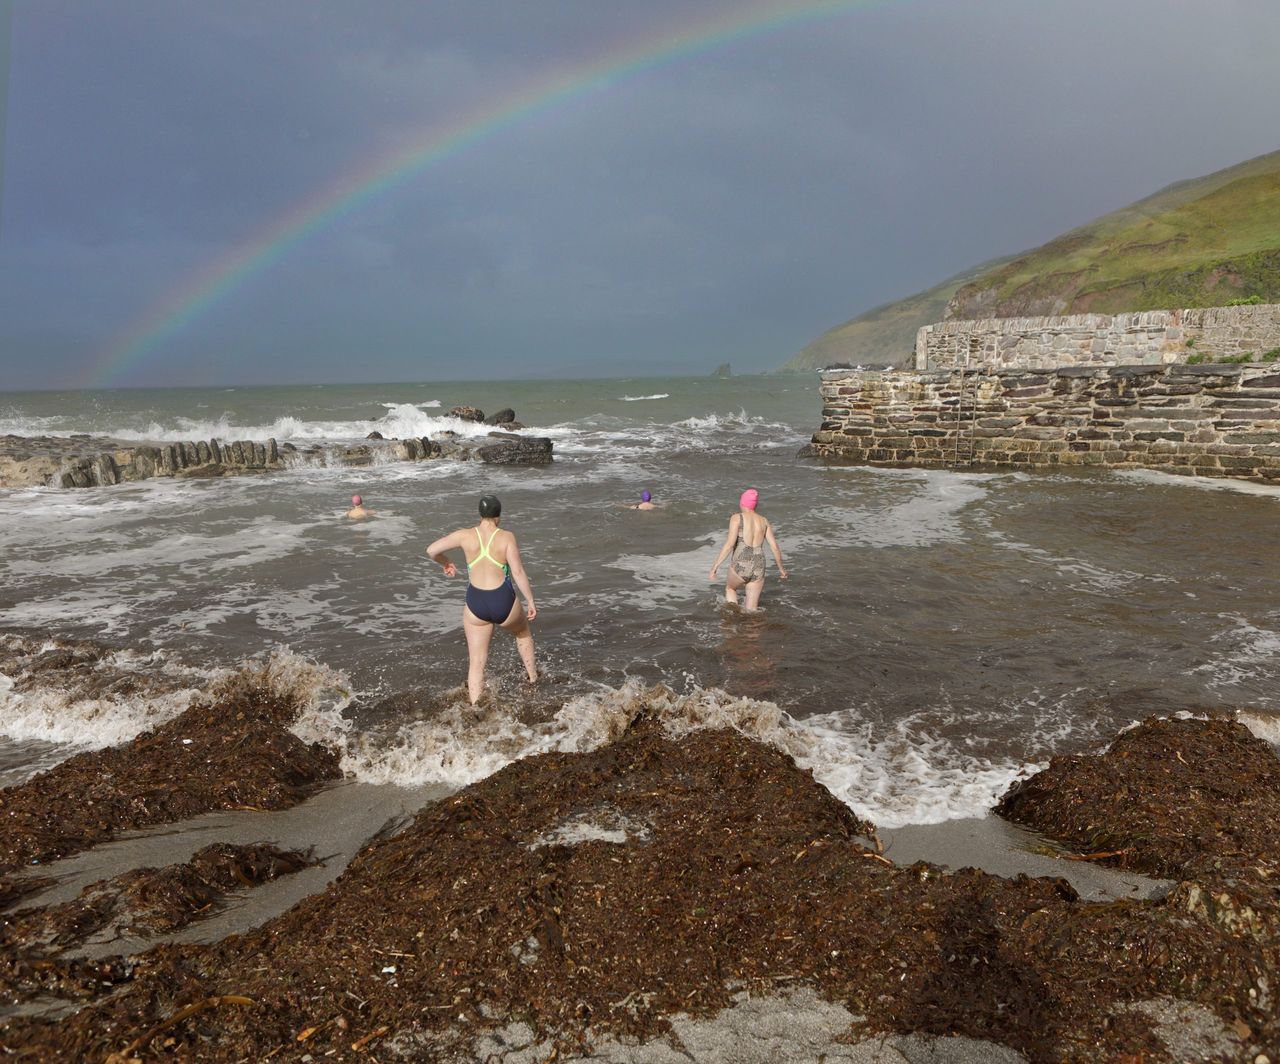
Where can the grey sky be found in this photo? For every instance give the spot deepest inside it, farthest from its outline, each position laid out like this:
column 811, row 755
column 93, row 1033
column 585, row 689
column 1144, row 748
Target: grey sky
column 729, row 205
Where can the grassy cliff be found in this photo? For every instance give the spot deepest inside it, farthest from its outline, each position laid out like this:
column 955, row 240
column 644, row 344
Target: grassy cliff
column 886, row 334
column 1196, row 243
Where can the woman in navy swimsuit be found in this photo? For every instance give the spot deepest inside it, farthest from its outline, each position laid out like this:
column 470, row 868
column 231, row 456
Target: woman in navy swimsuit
column 493, row 562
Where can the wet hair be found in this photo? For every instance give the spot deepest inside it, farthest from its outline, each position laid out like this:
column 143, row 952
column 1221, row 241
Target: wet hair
column 490, row 506
column 645, row 496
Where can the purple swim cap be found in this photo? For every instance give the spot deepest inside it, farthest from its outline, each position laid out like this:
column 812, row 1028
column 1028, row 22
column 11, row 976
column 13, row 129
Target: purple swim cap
column 645, row 496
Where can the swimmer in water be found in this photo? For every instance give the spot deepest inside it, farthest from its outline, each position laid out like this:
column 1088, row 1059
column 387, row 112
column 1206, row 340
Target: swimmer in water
column 748, row 533
column 493, row 564
column 358, row 511
column 646, row 502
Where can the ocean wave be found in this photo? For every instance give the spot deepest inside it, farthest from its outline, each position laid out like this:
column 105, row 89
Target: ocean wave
column 642, row 398
column 400, row 421
column 96, row 704
column 894, row 779
column 1177, row 480
column 1250, row 656
column 101, row 701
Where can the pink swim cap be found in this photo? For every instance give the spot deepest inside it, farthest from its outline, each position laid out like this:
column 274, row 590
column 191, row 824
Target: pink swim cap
column 749, row 499
column 356, row 500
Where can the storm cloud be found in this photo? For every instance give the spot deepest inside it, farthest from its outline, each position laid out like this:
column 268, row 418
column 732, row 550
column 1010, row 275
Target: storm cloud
column 725, row 204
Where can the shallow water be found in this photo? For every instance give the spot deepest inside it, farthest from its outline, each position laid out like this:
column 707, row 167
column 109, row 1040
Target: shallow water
column 940, row 632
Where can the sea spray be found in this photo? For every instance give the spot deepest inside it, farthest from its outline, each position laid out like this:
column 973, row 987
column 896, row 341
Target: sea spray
column 88, row 697
column 892, row 780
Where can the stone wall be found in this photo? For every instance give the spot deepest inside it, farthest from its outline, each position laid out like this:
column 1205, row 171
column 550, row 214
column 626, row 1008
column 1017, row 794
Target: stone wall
column 1209, row 420
column 1146, row 337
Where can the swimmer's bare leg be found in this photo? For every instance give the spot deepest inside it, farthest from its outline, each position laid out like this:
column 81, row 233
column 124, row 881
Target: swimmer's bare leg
column 731, row 587
column 479, row 634
column 518, row 625
column 753, row 595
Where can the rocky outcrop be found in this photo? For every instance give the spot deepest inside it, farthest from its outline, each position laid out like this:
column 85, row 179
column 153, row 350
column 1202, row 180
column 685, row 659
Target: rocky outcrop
column 94, row 461
column 509, row 449
column 469, row 413
column 505, row 416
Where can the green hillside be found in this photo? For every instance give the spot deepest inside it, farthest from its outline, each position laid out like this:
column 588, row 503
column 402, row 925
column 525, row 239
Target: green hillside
column 1196, row 243
column 886, row 334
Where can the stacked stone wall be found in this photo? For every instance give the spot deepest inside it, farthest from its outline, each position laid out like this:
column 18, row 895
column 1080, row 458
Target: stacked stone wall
column 1208, row 420
column 1146, row 337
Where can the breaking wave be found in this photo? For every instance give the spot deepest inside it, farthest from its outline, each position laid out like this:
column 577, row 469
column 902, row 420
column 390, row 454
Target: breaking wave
column 892, row 780
column 400, row 420
column 87, row 698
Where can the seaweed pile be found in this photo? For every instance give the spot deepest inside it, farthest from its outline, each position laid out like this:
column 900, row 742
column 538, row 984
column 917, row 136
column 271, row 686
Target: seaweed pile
column 597, row 895
column 141, row 902
column 231, row 750
column 1180, row 798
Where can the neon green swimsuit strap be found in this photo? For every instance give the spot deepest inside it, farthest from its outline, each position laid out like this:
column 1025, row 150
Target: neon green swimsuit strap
column 484, row 551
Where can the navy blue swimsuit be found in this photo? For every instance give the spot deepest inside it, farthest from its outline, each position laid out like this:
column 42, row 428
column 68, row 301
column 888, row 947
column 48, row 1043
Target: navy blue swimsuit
column 495, row 604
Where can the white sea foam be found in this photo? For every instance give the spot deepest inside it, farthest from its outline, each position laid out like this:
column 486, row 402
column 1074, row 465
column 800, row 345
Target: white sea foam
column 401, row 420
column 1250, row 654
column 930, row 514
column 1244, row 487
column 54, row 712
column 642, row 398
column 897, row 778
column 54, row 709
column 1265, row 726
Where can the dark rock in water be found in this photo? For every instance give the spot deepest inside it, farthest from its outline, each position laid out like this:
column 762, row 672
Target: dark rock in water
column 467, row 413
column 357, row 456
column 514, row 425
column 723, row 370
column 517, row 450
column 451, row 446
column 497, row 435
column 503, row 417
column 375, row 435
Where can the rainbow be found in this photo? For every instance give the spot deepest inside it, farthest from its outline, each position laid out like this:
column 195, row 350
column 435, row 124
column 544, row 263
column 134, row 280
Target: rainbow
column 329, row 203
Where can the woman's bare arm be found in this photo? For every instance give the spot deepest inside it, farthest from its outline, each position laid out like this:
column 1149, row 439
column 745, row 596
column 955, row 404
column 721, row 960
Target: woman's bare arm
column 777, row 554
column 734, row 521
column 436, row 552
column 520, row 577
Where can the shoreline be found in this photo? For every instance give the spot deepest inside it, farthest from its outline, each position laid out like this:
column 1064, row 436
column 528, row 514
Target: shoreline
column 681, row 873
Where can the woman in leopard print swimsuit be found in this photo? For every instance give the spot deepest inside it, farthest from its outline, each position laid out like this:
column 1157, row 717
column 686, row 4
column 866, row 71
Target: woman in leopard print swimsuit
column 748, row 533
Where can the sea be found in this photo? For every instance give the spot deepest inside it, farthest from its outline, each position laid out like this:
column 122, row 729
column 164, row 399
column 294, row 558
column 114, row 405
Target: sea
column 941, row 633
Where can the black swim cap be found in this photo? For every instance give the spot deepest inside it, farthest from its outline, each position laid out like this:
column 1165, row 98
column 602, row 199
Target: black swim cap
column 490, row 506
